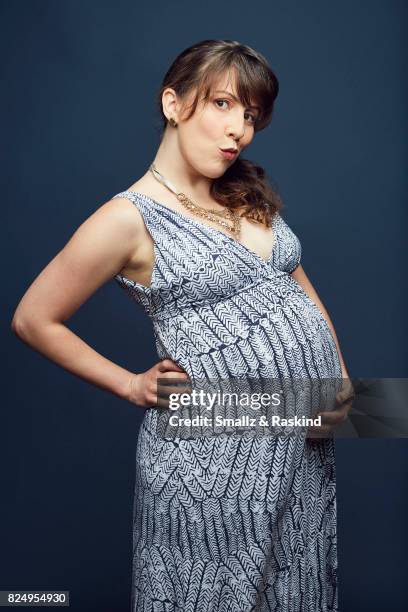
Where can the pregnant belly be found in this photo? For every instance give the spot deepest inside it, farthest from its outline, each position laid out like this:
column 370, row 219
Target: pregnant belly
column 272, row 329
column 278, row 332
column 287, row 342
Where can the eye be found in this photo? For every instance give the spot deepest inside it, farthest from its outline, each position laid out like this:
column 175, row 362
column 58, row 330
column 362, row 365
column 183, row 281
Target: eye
column 252, row 116
column 221, row 100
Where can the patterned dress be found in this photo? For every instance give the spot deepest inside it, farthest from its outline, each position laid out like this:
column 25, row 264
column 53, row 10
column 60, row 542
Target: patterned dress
column 232, row 524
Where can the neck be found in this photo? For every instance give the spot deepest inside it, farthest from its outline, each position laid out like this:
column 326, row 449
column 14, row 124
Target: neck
column 173, row 166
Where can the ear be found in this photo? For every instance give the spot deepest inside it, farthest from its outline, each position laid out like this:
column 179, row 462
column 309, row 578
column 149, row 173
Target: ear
column 170, row 104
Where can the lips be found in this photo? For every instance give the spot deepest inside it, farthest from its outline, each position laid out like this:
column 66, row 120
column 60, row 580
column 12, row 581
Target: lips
column 229, row 153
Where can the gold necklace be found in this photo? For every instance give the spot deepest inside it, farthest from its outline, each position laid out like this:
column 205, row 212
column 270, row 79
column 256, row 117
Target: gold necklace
column 210, row 214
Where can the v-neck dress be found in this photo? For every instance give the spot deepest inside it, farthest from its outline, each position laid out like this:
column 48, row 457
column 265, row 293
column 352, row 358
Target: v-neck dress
column 225, row 523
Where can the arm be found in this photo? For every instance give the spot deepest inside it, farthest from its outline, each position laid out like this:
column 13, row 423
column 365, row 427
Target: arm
column 98, row 249
column 299, row 275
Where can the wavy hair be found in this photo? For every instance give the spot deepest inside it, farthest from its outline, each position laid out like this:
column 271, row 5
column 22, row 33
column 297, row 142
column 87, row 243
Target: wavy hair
column 244, row 184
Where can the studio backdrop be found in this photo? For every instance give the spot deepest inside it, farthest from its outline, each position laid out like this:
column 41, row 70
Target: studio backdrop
column 80, row 124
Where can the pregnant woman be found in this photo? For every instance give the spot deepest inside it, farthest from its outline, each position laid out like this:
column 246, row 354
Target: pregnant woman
column 221, row 523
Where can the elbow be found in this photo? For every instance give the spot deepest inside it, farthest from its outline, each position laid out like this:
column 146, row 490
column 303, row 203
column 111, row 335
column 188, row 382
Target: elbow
column 29, row 329
column 24, row 326
column 19, row 327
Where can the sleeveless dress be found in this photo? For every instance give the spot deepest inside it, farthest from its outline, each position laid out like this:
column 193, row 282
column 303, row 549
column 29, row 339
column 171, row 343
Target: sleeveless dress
column 225, row 524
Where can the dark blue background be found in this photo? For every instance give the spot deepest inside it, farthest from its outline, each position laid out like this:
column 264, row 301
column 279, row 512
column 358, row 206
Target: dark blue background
column 79, row 84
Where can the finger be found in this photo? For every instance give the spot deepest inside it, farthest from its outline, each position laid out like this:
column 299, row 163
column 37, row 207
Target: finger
column 334, row 417
column 329, row 417
column 345, row 395
column 162, row 402
column 169, row 364
column 175, row 381
column 167, row 390
column 176, row 375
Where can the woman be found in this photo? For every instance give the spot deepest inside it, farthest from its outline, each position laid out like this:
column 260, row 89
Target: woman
column 220, row 523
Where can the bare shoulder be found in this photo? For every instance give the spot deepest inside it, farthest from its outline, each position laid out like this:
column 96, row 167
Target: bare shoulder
column 106, row 240
column 122, row 213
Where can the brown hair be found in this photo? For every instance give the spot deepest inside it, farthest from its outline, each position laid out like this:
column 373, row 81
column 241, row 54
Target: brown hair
column 244, row 184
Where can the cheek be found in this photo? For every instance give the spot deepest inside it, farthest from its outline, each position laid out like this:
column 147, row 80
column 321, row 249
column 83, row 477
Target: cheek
column 211, row 125
column 201, row 137
column 249, row 137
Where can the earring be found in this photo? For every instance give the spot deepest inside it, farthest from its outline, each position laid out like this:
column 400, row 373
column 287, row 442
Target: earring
column 173, row 122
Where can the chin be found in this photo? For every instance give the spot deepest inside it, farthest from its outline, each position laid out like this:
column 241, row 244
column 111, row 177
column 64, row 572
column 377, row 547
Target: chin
column 217, row 173
column 219, row 169
column 211, row 173
column 212, row 169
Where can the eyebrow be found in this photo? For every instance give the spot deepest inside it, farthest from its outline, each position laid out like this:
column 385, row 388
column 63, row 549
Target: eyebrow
column 235, row 98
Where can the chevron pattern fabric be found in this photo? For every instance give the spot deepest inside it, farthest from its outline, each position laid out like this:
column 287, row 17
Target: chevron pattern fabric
column 232, row 524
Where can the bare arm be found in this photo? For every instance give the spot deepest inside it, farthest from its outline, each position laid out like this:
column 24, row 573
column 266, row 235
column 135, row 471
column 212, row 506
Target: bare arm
column 98, row 249
column 299, row 275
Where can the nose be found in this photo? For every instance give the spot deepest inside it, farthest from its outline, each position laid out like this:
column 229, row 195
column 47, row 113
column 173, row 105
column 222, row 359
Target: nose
column 236, row 128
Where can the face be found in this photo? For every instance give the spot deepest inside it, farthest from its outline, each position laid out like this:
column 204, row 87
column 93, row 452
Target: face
column 220, row 123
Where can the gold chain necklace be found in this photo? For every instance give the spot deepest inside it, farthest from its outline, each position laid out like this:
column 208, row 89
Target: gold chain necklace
column 210, row 214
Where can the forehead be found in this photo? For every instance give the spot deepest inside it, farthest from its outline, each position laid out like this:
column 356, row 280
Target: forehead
column 227, row 82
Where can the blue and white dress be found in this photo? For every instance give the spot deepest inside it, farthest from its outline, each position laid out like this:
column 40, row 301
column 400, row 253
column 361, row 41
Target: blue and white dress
column 232, row 524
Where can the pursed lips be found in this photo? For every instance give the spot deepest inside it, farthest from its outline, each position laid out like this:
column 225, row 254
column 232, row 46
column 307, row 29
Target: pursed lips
column 229, row 153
